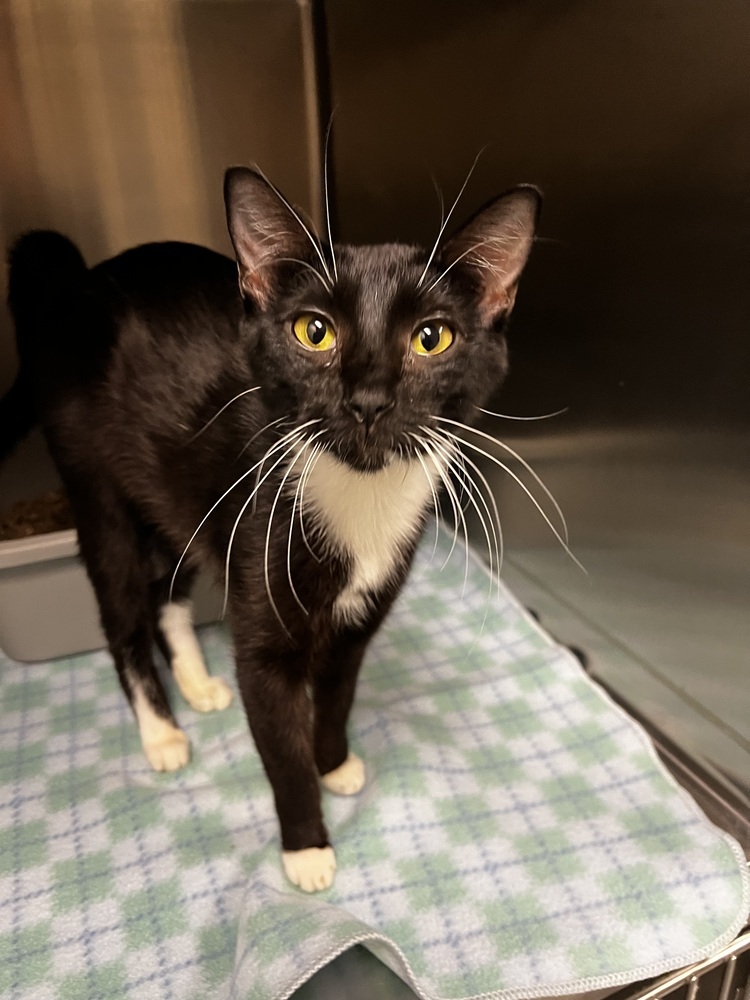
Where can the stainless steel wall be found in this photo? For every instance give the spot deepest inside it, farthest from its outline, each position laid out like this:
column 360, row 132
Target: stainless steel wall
column 120, row 117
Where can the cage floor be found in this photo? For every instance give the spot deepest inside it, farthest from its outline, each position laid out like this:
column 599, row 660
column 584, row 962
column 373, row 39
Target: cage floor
column 660, row 523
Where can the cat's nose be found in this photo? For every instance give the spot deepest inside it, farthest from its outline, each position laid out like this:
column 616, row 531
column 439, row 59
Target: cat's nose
column 368, row 405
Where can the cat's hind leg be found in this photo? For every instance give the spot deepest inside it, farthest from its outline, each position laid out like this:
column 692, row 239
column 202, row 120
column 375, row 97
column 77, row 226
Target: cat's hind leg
column 203, row 692
column 348, row 778
column 116, row 550
column 172, row 616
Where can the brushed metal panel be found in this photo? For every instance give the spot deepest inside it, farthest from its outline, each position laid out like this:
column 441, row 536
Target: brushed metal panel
column 119, row 118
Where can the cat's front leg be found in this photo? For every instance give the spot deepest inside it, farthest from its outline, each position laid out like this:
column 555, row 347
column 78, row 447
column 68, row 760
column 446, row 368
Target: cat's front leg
column 274, row 691
column 341, row 771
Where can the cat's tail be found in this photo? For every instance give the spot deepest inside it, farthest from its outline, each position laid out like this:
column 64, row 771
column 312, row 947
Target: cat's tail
column 44, row 267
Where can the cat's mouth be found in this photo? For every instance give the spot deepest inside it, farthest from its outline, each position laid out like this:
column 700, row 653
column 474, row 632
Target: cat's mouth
column 369, row 460
column 366, row 455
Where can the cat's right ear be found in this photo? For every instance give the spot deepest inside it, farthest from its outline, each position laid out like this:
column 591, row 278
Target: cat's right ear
column 494, row 246
column 264, row 230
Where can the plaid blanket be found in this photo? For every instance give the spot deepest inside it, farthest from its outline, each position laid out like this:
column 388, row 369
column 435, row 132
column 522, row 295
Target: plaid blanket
column 517, row 836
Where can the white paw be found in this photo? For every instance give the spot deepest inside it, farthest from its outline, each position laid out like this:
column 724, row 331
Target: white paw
column 311, row 869
column 348, row 778
column 169, row 752
column 207, row 695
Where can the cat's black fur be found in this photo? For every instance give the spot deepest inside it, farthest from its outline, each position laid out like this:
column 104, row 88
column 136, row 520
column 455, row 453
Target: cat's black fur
column 126, row 364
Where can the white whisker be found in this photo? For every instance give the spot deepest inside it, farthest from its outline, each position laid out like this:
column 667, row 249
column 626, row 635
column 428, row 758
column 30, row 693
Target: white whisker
column 304, row 263
column 447, row 220
column 421, row 442
column 527, row 491
column 295, row 504
column 327, row 199
column 494, row 562
column 457, row 506
column 498, row 551
column 290, row 208
column 275, row 447
column 219, row 413
column 306, row 473
column 441, row 200
column 428, row 477
column 523, row 462
column 257, row 434
column 243, row 508
column 496, row 513
column 266, row 573
column 458, row 261
column 259, row 471
column 308, row 462
column 508, row 416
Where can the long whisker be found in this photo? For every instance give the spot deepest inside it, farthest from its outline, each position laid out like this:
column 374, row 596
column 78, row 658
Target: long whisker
column 290, row 208
column 453, row 263
column 430, row 483
column 243, row 508
column 451, row 491
column 272, row 423
column 266, row 573
column 439, row 194
column 258, row 474
column 469, row 484
column 522, row 461
column 327, row 199
column 495, row 519
column 461, row 459
column 526, row 490
column 219, row 413
column 295, row 504
column 478, row 260
column 498, row 552
column 447, row 220
column 508, row 416
column 275, row 447
column 297, row 260
column 421, row 443
column 306, row 473
column 308, row 462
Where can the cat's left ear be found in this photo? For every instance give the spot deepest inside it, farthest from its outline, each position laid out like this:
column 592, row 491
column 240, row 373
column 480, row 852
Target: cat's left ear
column 495, row 244
column 264, row 228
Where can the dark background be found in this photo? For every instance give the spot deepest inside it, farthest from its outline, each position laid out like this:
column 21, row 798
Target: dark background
column 635, row 120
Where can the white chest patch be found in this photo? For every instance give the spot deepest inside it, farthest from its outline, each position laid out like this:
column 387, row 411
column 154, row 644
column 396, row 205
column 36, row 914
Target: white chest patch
column 368, row 517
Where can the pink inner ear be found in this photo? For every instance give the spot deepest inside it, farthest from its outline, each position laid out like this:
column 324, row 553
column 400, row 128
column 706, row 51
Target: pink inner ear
column 496, row 244
column 497, row 299
column 254, row 282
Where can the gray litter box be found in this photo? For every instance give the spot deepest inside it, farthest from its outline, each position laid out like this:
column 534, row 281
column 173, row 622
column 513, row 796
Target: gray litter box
column 47, row 605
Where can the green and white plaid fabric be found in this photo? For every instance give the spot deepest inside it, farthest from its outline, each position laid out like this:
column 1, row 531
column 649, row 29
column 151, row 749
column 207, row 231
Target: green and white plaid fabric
column 516, row 837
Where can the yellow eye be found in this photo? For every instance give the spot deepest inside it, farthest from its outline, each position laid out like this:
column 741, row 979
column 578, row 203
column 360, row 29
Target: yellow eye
column 431, row 339
column 314, row 332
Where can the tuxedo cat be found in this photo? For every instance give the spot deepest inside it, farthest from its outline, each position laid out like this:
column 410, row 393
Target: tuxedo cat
column 286, row 434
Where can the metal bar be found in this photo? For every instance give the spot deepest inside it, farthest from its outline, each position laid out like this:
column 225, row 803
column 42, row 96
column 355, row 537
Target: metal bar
column 664, row 986
column 726, row 983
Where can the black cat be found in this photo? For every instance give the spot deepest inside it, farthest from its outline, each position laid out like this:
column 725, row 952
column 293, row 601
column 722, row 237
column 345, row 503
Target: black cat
column 287, row 436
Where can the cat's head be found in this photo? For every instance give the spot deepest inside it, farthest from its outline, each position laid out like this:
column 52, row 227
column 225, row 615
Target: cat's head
column 375, row 342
